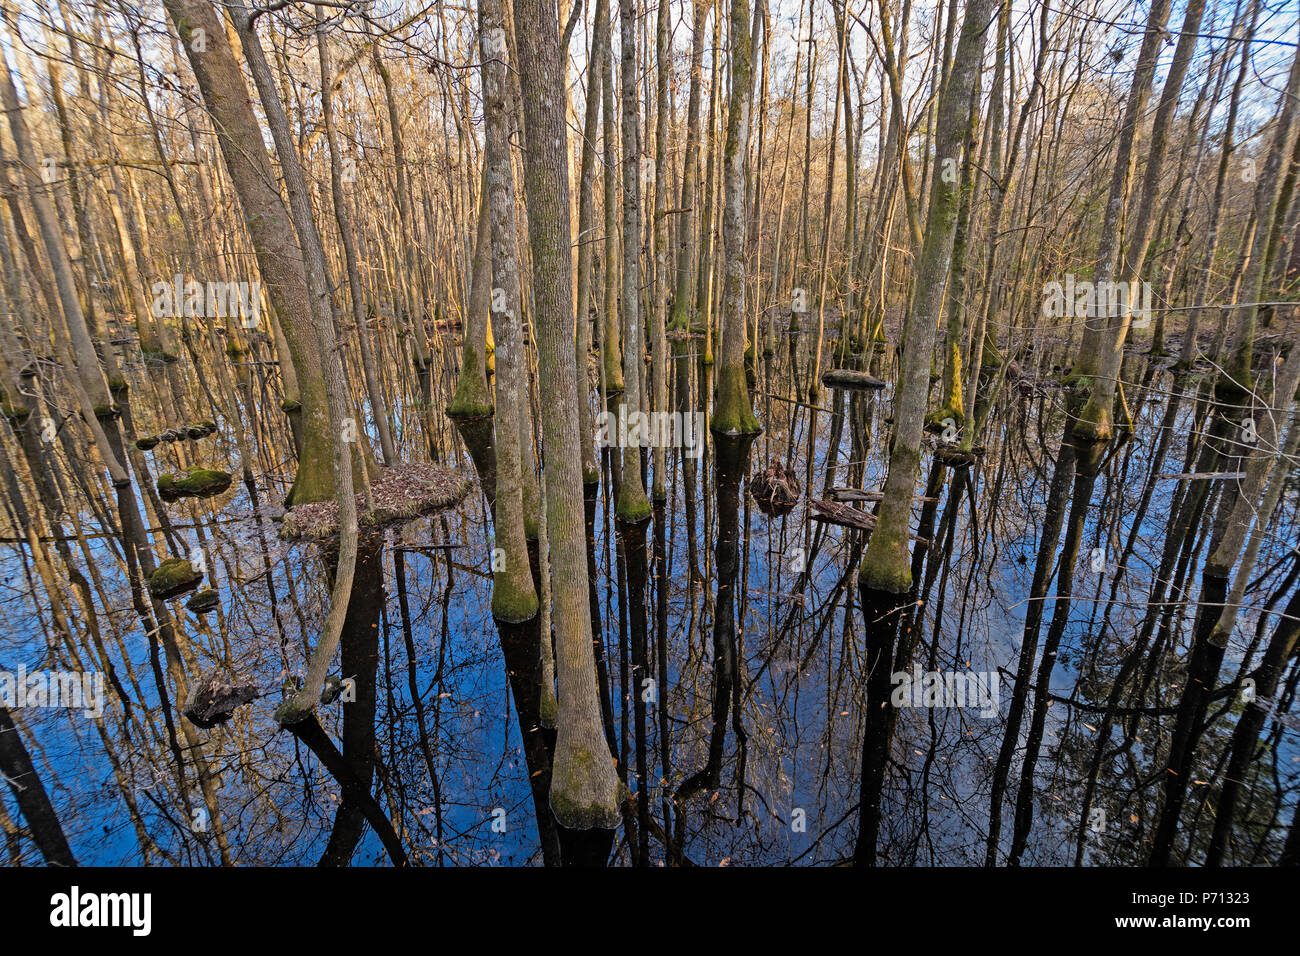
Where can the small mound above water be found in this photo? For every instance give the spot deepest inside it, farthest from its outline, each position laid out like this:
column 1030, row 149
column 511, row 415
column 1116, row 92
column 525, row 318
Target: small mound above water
column 776, row 489
column 172, row 578
column 213, row 698
column 403, row 492
column 194, row 482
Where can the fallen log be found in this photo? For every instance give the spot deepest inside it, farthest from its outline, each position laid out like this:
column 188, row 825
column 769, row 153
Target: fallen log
column 857, row 494
column 830, row 512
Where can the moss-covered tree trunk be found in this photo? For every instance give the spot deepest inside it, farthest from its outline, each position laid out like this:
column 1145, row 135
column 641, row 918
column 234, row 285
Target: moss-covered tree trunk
column 885, row 574
column 611, row 352
column 1095, row 419
column 349, row 469
column 659, row 337
column 1101, row 336
column 633, row 506
column 1238, row 377
column 733, row 412
column 473, row 398
column 587, row 237
column 514, row 598
column 279, row 257
column 584, row 785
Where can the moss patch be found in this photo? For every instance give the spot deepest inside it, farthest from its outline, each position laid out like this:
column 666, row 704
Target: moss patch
column 17, row 415
column 173, row 577
column 574, row 801
column 632, row 506
column 204, row 601
column 732, row 412
column 194, row 482
column 934, row 422
column 513, row 601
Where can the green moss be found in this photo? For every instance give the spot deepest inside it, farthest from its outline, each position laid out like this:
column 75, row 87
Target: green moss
column 549, row 709
column 935, row 421
column 1076, row 380
column 732, row 412
column 16, row 414
column 194, row 482
column 472, row 398
column 633, row 506
column 514, row 599
column 293, row 709
column 147, row 443
column 173, row 577
column 204, row 601
column 1093, row 423
column 571, row 778
column 886, row 566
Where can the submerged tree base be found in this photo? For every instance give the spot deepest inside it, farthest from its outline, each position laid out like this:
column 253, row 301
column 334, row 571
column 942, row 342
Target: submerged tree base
column 585, row 847
column 576, row 799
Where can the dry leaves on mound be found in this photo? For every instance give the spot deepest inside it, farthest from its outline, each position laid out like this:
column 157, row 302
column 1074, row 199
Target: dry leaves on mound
column 402, row 492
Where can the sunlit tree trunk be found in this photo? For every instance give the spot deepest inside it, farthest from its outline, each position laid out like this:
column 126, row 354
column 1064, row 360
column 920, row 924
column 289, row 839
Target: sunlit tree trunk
column 514, row 597
column 733, row 412
column 584, row 786
column 885, row 574
column 279, row 257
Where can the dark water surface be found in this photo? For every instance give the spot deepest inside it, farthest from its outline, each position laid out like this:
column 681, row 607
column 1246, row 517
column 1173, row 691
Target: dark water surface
column 451, row 773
